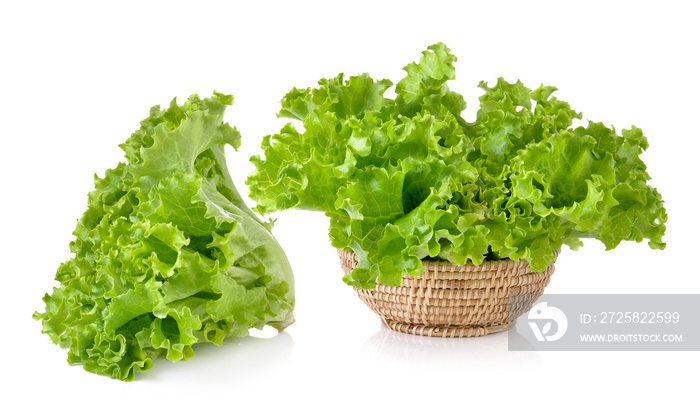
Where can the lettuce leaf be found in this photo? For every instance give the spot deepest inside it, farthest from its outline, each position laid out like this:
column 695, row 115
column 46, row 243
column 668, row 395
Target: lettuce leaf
column 408, row 179
column 167, row 254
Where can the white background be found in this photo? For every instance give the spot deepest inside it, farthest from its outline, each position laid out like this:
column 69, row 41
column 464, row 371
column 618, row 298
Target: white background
column 76, row 79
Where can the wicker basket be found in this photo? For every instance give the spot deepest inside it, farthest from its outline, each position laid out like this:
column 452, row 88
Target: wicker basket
column 456, row 301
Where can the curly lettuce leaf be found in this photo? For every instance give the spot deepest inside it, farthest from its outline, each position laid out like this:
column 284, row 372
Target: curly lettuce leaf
column 167, row 255
column 409, row 179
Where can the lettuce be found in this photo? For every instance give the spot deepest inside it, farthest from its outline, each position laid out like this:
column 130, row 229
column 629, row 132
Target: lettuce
column 408, row 179
column 167, row 254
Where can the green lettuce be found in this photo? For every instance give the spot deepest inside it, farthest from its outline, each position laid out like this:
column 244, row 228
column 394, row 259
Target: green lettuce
column 167, row 254
column 408, row 179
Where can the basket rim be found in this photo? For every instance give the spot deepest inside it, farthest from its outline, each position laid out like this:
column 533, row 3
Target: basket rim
column 434, row 265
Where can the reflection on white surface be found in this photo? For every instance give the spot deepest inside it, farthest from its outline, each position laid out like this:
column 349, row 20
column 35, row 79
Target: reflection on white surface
column 237, row 359
column 391, row 346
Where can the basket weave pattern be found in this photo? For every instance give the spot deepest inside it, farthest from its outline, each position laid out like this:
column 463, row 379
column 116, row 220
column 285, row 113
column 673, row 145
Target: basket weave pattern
column 455, row 301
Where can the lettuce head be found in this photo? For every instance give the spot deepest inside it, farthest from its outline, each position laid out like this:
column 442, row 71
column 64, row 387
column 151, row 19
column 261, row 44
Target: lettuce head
column 167, row 254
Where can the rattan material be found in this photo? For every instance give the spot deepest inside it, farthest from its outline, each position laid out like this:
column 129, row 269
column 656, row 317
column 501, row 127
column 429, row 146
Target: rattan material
column 455, row 301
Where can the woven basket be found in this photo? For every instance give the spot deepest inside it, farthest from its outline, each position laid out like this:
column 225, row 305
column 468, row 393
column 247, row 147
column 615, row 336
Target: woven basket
column 456, row 301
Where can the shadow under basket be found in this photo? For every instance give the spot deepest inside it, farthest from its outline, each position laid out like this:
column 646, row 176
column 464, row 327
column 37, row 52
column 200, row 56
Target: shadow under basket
column 456, row 301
